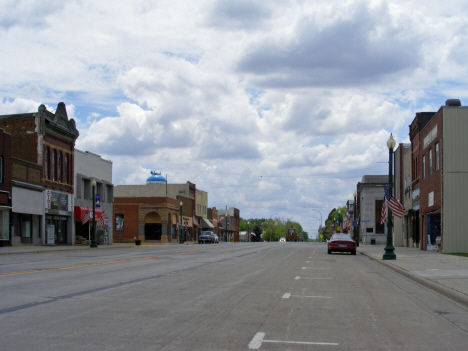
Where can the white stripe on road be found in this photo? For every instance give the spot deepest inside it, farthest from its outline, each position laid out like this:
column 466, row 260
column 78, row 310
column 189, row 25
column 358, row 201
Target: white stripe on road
column 288, row 295
column 258, row 339
column 297, row 278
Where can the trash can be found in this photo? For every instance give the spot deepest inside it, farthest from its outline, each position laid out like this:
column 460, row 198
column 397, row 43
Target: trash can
column 372, row 241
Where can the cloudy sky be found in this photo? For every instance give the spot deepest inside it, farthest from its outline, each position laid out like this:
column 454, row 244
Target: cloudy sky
column 274, row 107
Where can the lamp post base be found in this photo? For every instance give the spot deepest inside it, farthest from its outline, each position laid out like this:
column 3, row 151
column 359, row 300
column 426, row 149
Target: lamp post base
column 93, row 245
column 389, row 253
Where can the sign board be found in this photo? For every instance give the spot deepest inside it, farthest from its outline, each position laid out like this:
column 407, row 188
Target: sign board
column 354, row 223
column 98, row 200
column 365, row 221
column 57, row 201
column 50, row 234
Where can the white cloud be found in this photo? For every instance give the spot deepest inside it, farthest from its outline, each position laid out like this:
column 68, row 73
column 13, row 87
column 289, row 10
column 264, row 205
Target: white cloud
column 273, row 107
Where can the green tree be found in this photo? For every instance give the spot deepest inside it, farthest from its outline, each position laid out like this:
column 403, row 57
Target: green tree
column 258, row 233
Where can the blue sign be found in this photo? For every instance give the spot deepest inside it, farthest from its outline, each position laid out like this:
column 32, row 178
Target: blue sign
column 366, row 221
column 354, row 223
column 98, row 200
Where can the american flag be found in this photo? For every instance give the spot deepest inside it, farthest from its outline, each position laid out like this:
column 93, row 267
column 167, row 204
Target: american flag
column 397, row 209
column 101, row 221
column 383, row 216
column 221, row 218
column 85, row 217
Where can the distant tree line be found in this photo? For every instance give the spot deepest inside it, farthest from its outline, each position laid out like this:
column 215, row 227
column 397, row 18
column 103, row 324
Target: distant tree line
column 274, row 228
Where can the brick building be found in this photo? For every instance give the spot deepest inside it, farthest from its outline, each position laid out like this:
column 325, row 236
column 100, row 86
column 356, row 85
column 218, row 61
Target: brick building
column 43, row 146
column 5, row 188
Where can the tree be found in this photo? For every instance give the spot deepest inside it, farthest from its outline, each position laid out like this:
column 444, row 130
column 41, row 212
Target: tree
column 258, row 233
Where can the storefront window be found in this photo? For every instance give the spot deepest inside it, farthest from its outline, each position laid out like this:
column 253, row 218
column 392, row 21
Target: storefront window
column 119, row 222
column 36, row 228
column 26, row 226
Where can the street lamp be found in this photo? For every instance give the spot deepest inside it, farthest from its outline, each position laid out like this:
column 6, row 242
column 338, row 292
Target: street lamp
column 356, row 237
column 389, row 249
column 181, row 239
column 248, row 231
column 320, row 215
column 93, row 231
column 271, row 224
column 227, row 220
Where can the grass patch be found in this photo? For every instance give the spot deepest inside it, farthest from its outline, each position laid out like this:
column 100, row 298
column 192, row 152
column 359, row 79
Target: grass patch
column 462, row 254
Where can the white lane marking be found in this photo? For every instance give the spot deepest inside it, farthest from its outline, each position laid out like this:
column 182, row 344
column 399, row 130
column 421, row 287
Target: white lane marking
column 288, row 295
column 297, row 278
column 302, row 342
column 258, row 339
column 303, row 268
column 307, row 261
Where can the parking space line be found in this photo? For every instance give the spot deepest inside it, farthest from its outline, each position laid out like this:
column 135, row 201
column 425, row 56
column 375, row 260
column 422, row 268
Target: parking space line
column 258, row 339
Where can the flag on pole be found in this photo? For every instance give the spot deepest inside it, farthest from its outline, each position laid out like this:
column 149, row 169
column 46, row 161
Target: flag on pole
column 85, row 217
column 397, row 209
column 177, row 226
column 101, row 220
column 221, row 219
column 383, row 215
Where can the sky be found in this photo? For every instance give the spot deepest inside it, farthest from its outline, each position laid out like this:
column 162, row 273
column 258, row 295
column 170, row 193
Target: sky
column 277, row 108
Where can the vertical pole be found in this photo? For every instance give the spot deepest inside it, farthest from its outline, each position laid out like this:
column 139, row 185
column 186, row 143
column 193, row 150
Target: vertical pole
column 93, row 233
column 356, row 237
column 181, row 240
column 389, row 249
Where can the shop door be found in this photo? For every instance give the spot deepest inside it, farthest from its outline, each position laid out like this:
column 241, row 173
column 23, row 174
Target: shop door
column 153, row 231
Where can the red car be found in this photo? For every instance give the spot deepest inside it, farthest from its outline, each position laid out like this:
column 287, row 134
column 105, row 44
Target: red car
column 342, row 243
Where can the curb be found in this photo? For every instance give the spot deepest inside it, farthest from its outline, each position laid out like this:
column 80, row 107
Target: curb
column 443, row 290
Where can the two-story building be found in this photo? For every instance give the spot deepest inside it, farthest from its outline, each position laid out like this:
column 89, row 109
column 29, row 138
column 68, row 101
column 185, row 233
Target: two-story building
column 43, row 146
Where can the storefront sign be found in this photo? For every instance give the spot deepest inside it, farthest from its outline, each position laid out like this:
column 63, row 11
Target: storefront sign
column 57, row 201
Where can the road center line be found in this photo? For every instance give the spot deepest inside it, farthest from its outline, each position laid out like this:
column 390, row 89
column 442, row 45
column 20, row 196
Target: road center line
column 104, row 263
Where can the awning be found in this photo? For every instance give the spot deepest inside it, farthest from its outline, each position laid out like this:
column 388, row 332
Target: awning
column 195, row 223
column 80, row 211
column 206, row 223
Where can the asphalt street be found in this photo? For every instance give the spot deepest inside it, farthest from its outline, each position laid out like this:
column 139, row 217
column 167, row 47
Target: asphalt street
column 228, row 296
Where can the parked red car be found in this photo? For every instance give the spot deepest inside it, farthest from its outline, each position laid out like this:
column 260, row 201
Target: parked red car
column 342, row 243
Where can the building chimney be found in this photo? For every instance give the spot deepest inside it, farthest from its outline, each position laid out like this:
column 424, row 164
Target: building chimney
column 452, row 102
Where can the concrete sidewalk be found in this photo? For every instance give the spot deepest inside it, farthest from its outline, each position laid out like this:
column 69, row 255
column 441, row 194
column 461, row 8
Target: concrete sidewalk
column 18, row 249
column 446, row 274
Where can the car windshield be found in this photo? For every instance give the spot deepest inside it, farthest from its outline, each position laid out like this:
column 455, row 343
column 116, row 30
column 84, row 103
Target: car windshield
column 341, row 237
column 206, row 233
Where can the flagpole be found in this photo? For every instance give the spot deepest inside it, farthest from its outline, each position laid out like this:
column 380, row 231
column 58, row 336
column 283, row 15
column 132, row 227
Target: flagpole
column 389, row 249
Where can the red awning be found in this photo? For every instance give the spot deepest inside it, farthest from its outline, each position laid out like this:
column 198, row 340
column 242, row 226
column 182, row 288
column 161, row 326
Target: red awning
column 195, row 223
column 80, row 211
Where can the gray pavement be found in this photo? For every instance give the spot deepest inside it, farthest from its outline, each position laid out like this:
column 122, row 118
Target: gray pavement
column 447, row 274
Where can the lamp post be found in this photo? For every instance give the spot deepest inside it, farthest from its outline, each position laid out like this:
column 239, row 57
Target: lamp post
column 389, row 249
column 356, row 237
column 248, row 232
column 226, row 219
column 271, row 225
column 320, row 215
column 93, row 231
column 181, row 239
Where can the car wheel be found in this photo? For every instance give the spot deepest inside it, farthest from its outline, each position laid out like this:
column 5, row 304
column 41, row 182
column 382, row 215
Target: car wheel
column 353, row 252
column 329, row 252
